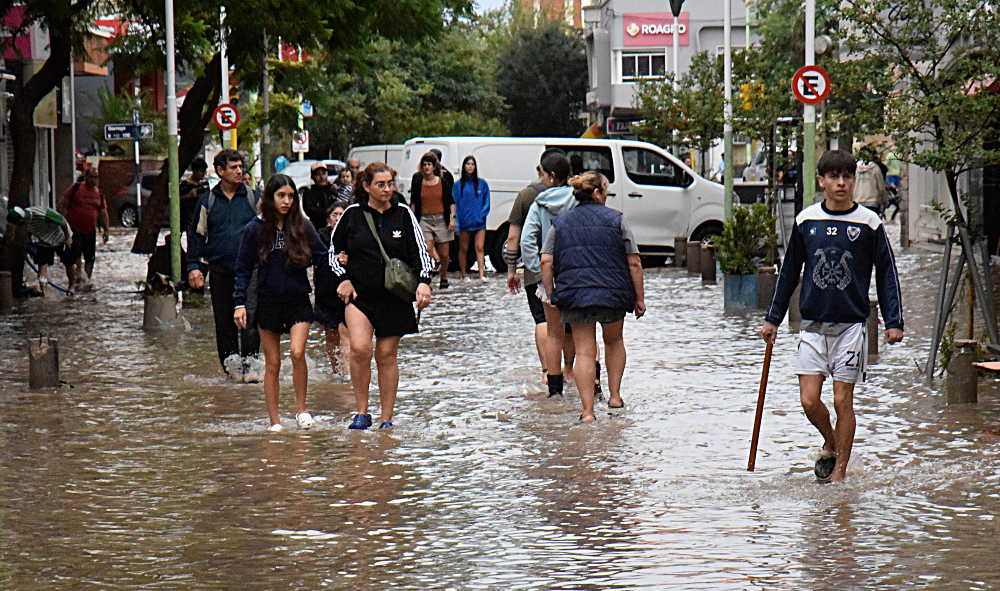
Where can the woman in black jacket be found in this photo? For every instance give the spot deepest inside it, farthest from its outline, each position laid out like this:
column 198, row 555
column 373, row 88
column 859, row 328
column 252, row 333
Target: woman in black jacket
column 371, row 309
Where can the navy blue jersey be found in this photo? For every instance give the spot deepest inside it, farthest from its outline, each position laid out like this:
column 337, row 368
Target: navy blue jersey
column 838, row 250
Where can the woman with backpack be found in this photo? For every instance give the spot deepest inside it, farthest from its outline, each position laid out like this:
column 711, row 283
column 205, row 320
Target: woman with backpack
column 554, row 200
column 472, row 205
column 281, row 243
column 592, row 273
column 374, row 228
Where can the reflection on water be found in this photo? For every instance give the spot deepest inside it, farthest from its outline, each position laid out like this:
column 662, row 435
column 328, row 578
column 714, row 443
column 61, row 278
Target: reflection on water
column 148, row 470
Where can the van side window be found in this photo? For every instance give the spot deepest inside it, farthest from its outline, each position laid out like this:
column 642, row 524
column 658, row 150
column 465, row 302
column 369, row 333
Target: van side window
column 583, row 158
column 645, row 167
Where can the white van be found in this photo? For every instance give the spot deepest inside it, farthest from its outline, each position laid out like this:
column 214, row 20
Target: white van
column 661, row 196
column 391, row 154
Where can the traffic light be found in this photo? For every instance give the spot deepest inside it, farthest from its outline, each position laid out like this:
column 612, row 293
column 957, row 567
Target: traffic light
column 750, row 92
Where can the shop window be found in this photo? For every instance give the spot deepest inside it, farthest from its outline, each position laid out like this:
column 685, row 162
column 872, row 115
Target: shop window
column 643, row 65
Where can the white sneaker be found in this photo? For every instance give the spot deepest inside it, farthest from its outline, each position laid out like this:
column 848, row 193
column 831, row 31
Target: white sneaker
column 466, row 280
column 304, row 420
column 484, row 279
column 276, row 428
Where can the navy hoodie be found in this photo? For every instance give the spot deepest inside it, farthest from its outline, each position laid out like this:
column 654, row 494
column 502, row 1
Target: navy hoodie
column 276, row 282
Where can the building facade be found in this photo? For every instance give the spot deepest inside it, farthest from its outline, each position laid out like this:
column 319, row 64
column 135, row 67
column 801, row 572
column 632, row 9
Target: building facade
column 630, row 40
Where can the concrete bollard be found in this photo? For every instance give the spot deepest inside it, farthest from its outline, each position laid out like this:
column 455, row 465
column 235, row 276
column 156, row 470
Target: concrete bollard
column 963, row 386
column 6, row 293
column 680, row 251
column 159, row 312
column 707, row 264
column 693, row 259
column 794, row 313
column 871, row 326
column 43, row 363
column 767, row 280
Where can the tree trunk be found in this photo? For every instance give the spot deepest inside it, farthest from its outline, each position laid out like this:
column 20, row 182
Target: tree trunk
column 199, row 104
column 22, row 137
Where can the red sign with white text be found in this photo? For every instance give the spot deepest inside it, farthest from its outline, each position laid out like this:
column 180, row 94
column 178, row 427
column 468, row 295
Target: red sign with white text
column 654, row 29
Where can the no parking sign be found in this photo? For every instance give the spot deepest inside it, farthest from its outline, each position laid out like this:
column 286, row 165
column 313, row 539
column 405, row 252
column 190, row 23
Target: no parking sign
column 811, row 85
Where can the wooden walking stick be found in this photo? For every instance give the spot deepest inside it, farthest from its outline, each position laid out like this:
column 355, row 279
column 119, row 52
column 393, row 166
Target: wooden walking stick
column 760, row 407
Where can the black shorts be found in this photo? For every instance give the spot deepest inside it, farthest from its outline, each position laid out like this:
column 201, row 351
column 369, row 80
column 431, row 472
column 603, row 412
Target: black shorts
column 329, row 314
column 42, row 255
column 280, row 317
column 83, row 244
column 535, row 304
column 389, row 315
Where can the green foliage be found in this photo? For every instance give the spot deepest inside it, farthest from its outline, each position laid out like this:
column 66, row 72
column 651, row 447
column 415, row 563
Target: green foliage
column 947, row 340
column 748, row 235
column 695, row 108
column 118, row 109
column 542, row 76
column 930, row 68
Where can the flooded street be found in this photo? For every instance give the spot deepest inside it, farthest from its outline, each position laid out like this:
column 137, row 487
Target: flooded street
column 149, row 470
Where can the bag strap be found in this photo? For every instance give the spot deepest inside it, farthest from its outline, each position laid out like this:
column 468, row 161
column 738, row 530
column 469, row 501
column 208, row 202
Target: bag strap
column 371, row 224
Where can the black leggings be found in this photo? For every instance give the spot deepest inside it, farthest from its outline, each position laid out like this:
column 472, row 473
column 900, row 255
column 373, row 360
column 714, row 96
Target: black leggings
column 227, row 336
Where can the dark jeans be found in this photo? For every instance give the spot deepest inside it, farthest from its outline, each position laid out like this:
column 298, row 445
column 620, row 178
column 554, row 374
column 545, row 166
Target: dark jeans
column 227, row 336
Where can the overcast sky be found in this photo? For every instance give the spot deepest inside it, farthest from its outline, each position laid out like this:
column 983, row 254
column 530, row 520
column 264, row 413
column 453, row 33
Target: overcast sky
column 484, row 5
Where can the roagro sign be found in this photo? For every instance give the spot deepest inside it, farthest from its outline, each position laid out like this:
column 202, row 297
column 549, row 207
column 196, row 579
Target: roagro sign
column 654, row 29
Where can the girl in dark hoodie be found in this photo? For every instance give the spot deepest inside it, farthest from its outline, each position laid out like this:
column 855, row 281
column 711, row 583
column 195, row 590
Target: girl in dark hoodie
column 281, row 243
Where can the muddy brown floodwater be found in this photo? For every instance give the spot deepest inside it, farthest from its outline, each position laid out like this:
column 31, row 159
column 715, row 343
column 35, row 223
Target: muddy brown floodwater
column 150, row 471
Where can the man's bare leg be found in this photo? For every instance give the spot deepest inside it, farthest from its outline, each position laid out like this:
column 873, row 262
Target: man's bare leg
column 843, row 402
column 810, row 388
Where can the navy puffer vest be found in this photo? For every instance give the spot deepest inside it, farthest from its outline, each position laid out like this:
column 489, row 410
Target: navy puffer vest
column 590, row 266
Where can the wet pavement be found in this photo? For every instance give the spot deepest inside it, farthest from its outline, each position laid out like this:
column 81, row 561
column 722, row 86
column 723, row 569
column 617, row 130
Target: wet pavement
column 149, row 470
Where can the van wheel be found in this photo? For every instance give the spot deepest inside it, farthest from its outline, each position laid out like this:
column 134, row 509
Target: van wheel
column 496, row 247
column 128, row 215
column 706, row 232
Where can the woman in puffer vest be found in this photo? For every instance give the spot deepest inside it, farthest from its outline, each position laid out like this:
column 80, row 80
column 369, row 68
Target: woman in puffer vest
column 591, row 272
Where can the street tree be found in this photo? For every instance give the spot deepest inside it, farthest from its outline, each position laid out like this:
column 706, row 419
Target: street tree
column 66, row 22
column 694, row 108
column 329, row 26
column 941, row 61
column 542, row 76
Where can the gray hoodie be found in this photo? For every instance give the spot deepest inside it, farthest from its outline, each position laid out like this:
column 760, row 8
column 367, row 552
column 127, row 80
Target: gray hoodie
column 547, row 205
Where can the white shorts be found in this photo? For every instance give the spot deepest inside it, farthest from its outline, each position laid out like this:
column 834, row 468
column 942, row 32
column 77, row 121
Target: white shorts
column 844, row 357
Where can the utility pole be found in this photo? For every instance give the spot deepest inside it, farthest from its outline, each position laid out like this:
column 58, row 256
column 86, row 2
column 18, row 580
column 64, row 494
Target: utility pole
column 728, row 129
column 173, row 169
column 675, row 9
column 809, row 116
column 227, row 135
column 72, row 108
column 302, row 121
column 265, row 132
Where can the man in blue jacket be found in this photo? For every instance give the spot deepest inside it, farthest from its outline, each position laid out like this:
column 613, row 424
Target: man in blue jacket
column 838, row 242
column 214, row 240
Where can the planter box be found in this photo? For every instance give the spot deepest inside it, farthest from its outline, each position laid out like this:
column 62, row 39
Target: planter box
column 740, row 294
column 160, row 313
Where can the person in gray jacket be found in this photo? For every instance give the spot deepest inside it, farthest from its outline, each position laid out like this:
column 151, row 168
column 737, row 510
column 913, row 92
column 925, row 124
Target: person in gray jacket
column 555, row 199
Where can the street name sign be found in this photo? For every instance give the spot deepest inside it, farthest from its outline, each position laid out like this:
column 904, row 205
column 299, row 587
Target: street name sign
column 811, row 85
column 126, row 131
column 226, row 117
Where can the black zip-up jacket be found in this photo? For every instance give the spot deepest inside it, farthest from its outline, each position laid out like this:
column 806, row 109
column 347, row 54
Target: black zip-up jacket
column 401, row 237
column 417, row 183
column 315, row 201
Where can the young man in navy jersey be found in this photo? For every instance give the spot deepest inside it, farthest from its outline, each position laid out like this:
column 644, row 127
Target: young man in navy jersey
column 838, row 242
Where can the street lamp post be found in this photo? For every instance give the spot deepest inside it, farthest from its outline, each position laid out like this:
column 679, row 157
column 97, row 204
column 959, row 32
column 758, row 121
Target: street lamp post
column 728, row 129
column 173, row 168
column 675, row 9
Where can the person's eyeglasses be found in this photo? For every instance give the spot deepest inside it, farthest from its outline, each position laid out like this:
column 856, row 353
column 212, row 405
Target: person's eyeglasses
column 382, row 185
